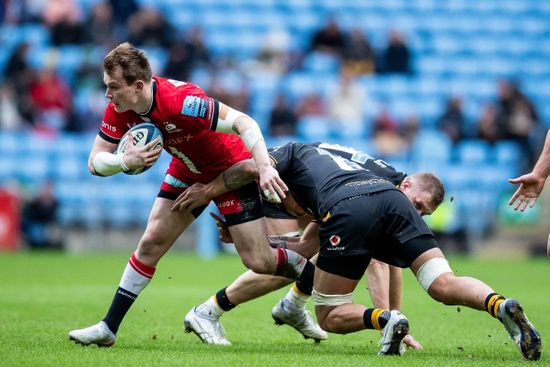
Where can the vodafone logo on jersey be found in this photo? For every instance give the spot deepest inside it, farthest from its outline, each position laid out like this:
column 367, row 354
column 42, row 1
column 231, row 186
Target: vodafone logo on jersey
column 334, row 240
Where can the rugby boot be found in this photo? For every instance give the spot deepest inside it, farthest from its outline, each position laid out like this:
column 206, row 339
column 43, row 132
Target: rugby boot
column 206, row 326
column 98, row 334
column 520, row 329
column 393, row 333
column 284, row 312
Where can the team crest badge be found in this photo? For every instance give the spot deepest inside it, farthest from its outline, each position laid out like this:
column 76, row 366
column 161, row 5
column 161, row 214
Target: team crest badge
column 334, row 240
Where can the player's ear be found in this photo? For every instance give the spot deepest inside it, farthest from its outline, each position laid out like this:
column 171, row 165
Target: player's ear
column 406, row 184
column 140, row 86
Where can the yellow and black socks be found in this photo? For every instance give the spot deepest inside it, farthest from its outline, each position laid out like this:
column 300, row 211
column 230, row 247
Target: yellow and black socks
column 492, row 304
column 376, row 318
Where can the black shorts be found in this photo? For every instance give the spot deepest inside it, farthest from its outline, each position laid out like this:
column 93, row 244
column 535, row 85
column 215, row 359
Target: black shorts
column 275, row 211
column 381, row 225
column 238, row 206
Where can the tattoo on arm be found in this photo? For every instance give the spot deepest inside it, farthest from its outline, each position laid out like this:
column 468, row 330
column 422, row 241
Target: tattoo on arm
column 239, row 175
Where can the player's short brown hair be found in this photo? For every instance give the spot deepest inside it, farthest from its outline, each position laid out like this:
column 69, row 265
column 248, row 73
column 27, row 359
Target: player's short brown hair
column 432, row 184
column 132, row 61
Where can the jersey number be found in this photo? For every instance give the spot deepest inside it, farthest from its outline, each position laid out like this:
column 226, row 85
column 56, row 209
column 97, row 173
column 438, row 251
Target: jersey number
column 185, row 159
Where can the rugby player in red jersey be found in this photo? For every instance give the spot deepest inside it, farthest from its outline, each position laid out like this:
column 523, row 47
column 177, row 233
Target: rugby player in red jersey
column 204, row 137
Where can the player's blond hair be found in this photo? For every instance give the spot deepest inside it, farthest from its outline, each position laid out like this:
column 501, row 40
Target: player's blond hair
column 132, row 61
column 432, row 184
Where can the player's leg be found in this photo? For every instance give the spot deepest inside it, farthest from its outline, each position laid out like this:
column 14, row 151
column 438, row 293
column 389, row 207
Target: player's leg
column 332, row 296
column 163, row 228
column 436, row 277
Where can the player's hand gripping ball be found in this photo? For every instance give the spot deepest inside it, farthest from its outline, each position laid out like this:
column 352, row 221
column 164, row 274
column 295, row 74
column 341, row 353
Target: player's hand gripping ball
column 142, row 134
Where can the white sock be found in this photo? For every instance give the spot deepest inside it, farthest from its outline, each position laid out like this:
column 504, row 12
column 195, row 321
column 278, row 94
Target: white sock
column 211, row 307
column 296, row 298
column 136, row 276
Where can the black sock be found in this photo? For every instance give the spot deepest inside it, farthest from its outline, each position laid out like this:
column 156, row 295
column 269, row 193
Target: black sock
column 376, row 318
column 304, row 283
column 223, row 301
column 122, row 301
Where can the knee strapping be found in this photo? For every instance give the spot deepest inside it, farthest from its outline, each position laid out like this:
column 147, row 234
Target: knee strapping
column 320, row 299
column 431, row 270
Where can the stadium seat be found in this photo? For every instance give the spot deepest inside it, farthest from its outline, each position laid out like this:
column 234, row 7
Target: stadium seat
column 472, row 151
column 314, row 128
column 431, row 145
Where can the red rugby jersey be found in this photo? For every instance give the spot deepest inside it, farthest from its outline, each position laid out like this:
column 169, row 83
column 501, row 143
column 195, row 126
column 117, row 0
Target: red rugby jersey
column 187, row 118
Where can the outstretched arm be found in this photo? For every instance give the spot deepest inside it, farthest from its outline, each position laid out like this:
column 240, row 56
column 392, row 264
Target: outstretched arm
column 531, row 184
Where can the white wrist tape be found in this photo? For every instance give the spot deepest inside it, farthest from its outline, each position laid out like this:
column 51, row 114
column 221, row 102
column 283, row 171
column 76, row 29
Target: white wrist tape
column 431, row 270
column 226, row 125
column 107, row 164
column 320, row 299
column 251, row 136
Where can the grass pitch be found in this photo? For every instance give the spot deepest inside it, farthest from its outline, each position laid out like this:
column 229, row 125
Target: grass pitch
column 43, row 296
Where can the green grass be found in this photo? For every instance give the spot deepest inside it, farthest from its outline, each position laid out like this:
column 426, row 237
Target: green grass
column 43, row 296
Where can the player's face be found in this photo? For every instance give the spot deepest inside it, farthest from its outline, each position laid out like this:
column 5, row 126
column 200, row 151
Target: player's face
column 123, row 96
column 421, row 200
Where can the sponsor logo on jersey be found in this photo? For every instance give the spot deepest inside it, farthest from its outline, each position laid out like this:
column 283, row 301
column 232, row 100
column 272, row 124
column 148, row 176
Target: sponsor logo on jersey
column 372, row 181
column 334, row 240
column 170, row 127
column 194, row 106
column 108, row 127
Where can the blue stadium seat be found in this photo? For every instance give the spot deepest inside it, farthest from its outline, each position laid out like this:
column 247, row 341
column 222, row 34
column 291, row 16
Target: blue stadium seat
column 431, row 145
column 472, row 151
column 507, row 153
column 314, row 128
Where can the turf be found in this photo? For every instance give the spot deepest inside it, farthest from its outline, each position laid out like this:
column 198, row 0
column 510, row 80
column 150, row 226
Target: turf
column 43, row 296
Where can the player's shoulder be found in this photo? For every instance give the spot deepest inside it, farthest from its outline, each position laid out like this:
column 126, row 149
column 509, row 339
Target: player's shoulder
column 173, row 96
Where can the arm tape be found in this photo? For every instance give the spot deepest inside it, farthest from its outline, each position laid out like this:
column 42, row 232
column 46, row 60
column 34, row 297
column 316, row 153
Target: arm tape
column 251, row 136
column 107, row 164
column 226, row 125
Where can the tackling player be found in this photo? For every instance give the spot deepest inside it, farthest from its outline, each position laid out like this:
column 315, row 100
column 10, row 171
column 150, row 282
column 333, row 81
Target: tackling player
column 204, row 137
column 363, row 216
column 291, row 309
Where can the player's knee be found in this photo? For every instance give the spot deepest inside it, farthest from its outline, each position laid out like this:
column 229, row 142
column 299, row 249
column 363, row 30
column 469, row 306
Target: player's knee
column 151, row 247
column 257, row 264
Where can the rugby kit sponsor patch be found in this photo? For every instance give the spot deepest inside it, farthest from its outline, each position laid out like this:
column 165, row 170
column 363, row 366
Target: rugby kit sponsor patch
column 194, row 106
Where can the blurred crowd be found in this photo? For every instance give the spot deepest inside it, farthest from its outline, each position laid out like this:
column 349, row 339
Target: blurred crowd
column 44, row 100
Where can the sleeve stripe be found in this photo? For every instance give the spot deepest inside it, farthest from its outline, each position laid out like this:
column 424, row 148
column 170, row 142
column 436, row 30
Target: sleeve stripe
column 214, row 125
column 108, row 138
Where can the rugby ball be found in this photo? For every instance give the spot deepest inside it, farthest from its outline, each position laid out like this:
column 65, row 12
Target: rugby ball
column 142, row 134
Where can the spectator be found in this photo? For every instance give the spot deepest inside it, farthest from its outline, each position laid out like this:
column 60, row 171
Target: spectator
column 396, row 55
column 100, row 25
column 329, row 39
column 149, row 27
column 516, row 117
column 346, row 104
column 39, row 220
column 273, row 56
column 10, row 119
column 51, row 101
column 357, row 53
column 123, row 10
column 65, row 22
column 282, row 120
column 311, row 104
column 198, row 53
column 20, row 76
column 387, row 138
column 486, row 126
column 453, row 121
